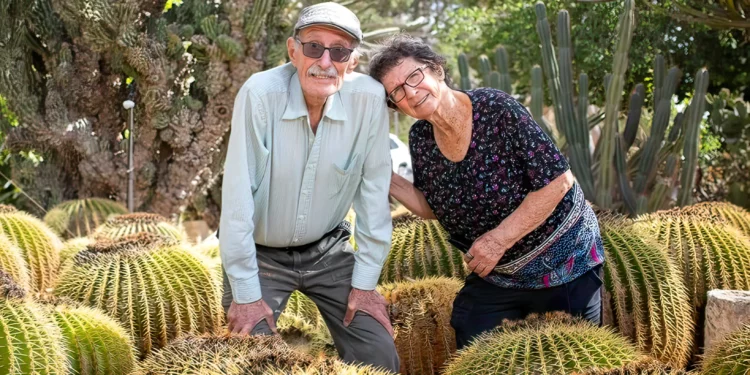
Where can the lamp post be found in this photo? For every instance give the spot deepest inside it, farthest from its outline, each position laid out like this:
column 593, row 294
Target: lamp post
column 129, row 105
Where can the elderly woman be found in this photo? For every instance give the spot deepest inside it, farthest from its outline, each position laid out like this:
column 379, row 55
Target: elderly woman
column 500, row 187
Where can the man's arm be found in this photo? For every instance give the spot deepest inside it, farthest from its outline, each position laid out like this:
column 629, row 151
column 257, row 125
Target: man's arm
column 413, row 199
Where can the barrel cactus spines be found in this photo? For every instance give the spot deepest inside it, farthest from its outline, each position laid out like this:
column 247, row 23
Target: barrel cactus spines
column 30, row 341
column 124, row 225
column 730, row 356
column 420, row 312
column 302, row 326
column 40, row 247
column 725, row 211
column 327, row 366
column 227, row 355
column 463, row 70
column 7, row 209
column 13, row 264
column 647, row 366
column 692, row 138
column 549, row 344
column 646, row 298
column 95, row 343
column 72, row 247
column 712, row 255
column 79, row 218
column 503, row 68
column 420, row 248
column 153, row 285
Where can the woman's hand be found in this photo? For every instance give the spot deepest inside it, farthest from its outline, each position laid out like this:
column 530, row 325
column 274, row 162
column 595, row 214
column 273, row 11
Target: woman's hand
column 485, row 252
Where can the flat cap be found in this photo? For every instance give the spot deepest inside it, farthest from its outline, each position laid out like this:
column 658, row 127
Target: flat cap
column 330, row 14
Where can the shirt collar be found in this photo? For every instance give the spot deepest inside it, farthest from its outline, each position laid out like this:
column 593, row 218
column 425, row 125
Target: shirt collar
column 296, row 107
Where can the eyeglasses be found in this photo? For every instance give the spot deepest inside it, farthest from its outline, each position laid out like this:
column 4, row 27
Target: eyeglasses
column 316, row 50
column 413, row 80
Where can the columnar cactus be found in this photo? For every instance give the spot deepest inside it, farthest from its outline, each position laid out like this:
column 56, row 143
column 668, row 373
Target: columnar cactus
column 215, row 355
column 730, row 356
column 646, row 298
column 30, row 343
column 463, row 70
column 420, row 248
column 155, row 287
column 124, row 225
column 95, row 343
column 503, row 67
column 13, row 264
column 39, row 246
column 485, row 68
column 692, row 139
column 302, row 326
column 79, row 218
column 554, row 344
column 420, row 312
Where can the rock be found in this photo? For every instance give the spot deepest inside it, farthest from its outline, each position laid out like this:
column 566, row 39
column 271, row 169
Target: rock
column 197, row 230
column 726, row 312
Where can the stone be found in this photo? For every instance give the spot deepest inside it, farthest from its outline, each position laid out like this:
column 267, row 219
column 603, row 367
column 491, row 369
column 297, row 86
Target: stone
column 726, row 312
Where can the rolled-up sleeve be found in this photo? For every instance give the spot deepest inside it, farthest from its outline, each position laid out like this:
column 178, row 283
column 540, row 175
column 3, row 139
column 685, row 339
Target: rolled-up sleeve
column 373, row 228
column 245, row 161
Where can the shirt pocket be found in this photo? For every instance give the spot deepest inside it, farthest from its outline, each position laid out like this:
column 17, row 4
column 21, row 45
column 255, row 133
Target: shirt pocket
column 343, row 176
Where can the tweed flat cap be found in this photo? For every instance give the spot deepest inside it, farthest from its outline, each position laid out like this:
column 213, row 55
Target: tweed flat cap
column 330, row 14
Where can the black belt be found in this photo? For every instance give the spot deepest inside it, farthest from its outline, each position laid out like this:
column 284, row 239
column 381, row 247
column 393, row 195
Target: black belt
column 344, row 225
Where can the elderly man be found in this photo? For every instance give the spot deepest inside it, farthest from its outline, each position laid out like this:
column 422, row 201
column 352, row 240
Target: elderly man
column 308, row 139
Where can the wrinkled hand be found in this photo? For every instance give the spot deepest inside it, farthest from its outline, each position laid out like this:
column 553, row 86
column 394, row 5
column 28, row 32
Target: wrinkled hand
column 485, row 252
column 371, row 303
column 243, row 317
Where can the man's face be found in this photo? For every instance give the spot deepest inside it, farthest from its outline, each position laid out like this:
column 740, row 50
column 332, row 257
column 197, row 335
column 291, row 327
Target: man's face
column 321, row 77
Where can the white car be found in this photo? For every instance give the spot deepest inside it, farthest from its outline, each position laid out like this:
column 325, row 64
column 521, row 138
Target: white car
column 401, row 158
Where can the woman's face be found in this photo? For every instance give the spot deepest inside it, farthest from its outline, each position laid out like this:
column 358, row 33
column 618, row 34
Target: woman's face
column 415, row 86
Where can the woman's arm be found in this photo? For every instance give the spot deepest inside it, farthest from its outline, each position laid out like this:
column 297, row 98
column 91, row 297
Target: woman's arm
column 530, row 214
column 413, row 199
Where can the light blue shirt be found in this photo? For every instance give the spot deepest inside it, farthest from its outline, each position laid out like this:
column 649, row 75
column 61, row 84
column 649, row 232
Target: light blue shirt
column 285, row 186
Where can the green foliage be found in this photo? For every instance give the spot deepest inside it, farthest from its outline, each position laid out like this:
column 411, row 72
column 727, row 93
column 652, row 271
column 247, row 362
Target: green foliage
column 420, row 248
column 95, row 343
column 12, row 263
column 157, row 289
column 420, row 312
column 303, row 328
column 219, row 355
column 30, row 343
column 39, row 246
column 647, row 299
column 129, row 224
column 79, row 218
column 526, row 346
column 730, row 356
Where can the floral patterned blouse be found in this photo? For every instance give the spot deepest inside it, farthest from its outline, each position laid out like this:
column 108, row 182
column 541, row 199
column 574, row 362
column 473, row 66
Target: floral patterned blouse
column 509, row 157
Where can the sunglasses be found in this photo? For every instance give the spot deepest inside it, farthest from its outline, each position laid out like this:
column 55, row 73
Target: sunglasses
column 413, row 80
column 316, row 50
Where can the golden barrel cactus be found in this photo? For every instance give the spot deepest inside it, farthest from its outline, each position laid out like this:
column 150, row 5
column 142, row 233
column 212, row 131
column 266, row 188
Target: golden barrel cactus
column 329, row 367
column 73, row 246
column 648, row 366
column 40, row 247
column 420, row 312
column 155, row 287
column 80, row 217
column 125, row 225
column 303, row 328
column 551, row 344
column 13, row 264
column 730, row 356
column 646, row 298
column 724, row 211
column 420, row 248
column 223, row 355
column 30, row 342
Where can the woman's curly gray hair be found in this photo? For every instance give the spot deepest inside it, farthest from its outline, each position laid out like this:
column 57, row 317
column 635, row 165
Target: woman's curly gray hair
column 402, row 46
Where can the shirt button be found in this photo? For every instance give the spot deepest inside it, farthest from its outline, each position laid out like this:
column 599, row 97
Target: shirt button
column 301, row 217
column 295, row 240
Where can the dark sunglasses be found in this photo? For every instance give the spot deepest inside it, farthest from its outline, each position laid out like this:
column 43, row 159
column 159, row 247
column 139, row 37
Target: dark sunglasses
column 316, row 50
column 413, row 80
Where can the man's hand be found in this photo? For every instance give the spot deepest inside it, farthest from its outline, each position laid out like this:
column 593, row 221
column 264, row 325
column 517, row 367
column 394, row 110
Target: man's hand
column 242, row 318
column 485, row 252
column 371, row 303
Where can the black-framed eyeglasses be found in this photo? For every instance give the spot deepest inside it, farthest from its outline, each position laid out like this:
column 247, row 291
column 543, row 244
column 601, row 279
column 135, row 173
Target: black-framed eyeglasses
column 413, row 80
column 315, row 50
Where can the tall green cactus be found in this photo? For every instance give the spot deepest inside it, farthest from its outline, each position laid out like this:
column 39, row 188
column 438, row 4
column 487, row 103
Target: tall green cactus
column 420, row 312
column 79, row 218
column 646, row 298
column 39, row 246
column 552, row 344
column 155, row 287
column 503, row 67
column 463, row 70
column 485, row 68
column 537, row 100
column 420, row 248
column 692, row 137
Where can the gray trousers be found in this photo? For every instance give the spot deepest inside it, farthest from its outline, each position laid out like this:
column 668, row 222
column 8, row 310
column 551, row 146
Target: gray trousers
column 323, row 272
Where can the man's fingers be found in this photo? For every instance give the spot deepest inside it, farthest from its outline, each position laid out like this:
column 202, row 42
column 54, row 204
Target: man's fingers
column 271, row 324
column 349, row 316
column 245, row 331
